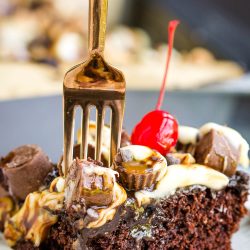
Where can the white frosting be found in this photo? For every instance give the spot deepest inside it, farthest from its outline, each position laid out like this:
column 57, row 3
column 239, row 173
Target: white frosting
column 60, row 185
column 139, row 152
column 178, row 176
column 187, row 135
column 233, row 136
column 93, row 169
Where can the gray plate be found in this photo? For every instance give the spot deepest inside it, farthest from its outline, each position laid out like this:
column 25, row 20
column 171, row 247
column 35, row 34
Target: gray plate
column 39, row 120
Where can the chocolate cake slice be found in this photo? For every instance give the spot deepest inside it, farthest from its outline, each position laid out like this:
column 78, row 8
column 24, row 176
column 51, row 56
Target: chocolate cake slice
column 184, row 200
column 193, row 218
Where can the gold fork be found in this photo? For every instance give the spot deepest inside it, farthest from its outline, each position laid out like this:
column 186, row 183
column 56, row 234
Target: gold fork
column 93, row 83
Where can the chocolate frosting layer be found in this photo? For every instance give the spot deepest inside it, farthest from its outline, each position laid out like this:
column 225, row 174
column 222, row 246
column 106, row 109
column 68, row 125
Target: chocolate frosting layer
column 25, row 169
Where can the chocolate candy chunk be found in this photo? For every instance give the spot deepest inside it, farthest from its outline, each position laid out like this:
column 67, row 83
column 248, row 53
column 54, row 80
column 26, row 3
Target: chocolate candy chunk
column 25, row 169
column 91, row 182
column 3, row 185
column 179, row 158
column 172, row 160
column 216, row 151
column 73, row 183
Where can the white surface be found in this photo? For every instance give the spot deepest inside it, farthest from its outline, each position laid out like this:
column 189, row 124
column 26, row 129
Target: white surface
column 241, row 239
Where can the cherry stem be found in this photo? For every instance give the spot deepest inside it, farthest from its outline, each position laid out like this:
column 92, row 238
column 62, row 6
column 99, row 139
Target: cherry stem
column 171, row 31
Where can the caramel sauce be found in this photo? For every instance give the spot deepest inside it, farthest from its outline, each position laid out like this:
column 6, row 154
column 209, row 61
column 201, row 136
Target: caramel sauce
column 137, row 167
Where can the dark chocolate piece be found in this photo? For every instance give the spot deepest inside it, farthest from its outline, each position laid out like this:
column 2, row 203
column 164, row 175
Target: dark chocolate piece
column 172, row 160
column 25, row 169
column 74, row 183
column 215, row 150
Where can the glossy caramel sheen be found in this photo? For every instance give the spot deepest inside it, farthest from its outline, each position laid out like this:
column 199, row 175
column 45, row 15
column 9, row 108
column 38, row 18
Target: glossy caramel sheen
column 138, row 167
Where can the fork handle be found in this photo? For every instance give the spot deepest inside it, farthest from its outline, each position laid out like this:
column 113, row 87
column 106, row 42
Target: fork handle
column 97, row 25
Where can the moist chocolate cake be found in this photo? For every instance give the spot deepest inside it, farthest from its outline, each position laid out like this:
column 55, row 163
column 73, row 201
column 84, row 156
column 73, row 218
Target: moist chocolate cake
column 184, row 200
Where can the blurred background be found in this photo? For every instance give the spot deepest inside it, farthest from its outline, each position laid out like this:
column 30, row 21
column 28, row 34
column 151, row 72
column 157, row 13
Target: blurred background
column 41, row 39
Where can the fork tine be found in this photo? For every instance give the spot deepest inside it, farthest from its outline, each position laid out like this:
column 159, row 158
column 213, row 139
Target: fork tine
column 94, row 82
column 100, row 114
column 116, row 127
column 85, row 129
column 69, row 114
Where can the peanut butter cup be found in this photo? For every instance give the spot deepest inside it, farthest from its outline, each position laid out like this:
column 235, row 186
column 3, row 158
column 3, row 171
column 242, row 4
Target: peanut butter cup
column 139, row 167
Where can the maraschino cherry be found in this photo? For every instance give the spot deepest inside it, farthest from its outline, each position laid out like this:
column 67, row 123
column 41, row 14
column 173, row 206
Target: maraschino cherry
column 158, row 129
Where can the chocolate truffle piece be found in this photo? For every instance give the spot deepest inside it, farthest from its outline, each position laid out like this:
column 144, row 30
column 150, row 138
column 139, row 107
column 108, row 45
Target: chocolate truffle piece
column 91, row 182
column 25, row 169
column 139, row 167
column 215, row 150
